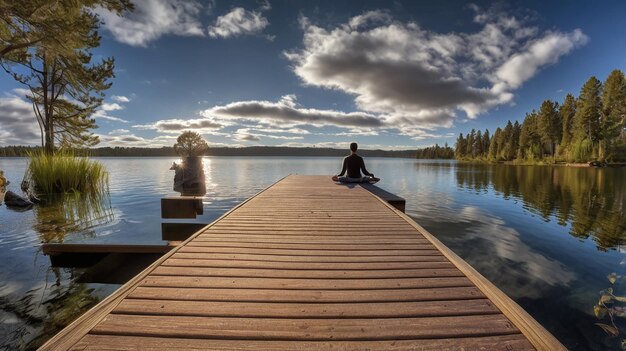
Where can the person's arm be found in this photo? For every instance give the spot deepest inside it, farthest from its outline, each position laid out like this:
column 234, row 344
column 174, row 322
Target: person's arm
column 343, row 168
column 365, row 170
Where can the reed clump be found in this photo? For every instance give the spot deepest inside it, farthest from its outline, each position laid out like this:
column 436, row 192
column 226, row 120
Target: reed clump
column 65, row 172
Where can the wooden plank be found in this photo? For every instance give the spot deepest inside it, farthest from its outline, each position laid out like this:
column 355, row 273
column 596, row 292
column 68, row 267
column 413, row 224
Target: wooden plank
column 513, row 342
column 312, row 259
column 306, row 239
column 306, row 296
column 306, row 310
column 197, row 247
column 305, row 329
column 314, row 246
column 303, row 284
column 304, row 273
column 311, row 233
column 303, row 265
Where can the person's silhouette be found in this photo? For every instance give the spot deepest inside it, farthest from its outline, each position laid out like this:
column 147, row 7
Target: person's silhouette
column 353, row 165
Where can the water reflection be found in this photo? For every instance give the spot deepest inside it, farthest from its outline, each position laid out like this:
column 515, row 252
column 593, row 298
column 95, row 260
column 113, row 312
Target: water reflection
column 29, row 317
column 60, row 215
column 590, row 201
column 44, row 315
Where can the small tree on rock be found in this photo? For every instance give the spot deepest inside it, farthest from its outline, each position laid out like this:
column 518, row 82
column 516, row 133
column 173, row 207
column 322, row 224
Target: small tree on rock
column 190, row 144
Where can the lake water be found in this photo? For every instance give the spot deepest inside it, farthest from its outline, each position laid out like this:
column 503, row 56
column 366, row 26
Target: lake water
column 547, row 236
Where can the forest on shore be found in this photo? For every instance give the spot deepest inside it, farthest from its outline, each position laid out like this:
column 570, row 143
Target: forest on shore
column 580, row 129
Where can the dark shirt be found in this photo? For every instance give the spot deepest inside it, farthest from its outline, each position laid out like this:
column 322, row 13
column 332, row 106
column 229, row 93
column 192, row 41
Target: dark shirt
column 354, row 164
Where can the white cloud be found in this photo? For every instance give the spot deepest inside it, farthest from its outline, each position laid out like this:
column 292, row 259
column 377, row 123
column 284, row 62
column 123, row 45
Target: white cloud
column 546, row 50
column 111, row 107
column 286, row 112
column 202, row 125
column 105, row 108
column 100, row 114
column 152, row 19
column 253, row 135
column 344, row 145
column 239, row 21
column 119, row 132
column 125, row 138
column 413, row 77
column 120, row 98
column 18, row 123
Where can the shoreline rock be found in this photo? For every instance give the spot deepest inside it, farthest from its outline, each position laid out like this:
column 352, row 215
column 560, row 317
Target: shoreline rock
column 12, row 199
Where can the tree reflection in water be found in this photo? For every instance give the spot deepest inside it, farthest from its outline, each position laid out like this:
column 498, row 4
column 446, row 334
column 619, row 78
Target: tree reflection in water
column 61, row 215
column 43, row 311
column 591, row 200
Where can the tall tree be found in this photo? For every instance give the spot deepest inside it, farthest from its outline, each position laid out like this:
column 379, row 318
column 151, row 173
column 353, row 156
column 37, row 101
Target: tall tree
column 478, row 144
column 65, row 86
column 567, row 111
column 494, row 145
column 507, row 152
column 613, row 110
column 460, row 147
column 529, row 140
column 517, row 129
column 549, row 124
column 469, row 143
column 587, row 119
column 485, row 143
column 45, row 23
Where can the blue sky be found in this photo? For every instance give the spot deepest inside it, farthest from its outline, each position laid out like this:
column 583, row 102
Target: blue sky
column 391, row 75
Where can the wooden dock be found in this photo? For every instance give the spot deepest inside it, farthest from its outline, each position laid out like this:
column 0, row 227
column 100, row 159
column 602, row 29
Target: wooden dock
column 308, row 264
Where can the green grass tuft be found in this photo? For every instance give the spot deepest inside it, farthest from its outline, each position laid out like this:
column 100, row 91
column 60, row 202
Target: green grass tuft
column 65, row 172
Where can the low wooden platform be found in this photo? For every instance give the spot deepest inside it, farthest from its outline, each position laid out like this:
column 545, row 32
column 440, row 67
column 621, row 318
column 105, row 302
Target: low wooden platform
column 308, row 265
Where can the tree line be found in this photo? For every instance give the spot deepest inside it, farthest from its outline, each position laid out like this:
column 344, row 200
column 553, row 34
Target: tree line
column 589, row 127
column 435, row 152
column 22, row 151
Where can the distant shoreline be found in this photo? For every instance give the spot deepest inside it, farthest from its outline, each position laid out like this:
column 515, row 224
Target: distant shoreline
column 21, row 151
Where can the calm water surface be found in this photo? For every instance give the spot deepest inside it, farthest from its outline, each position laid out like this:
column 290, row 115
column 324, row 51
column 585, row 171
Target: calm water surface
column 546, row 236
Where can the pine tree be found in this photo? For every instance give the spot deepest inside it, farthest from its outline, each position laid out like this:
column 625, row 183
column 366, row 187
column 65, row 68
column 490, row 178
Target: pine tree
column 485, row 143
column 517, row 129
column 478, row 144
column 507, row 152
column 47, row 24
column 549, row 125
column 66, row 88
column 587, row 119
column 529, row 141
column 494, row 145
column 613, row 110
column 567, row 111
column 460, row 147
column 469, row 145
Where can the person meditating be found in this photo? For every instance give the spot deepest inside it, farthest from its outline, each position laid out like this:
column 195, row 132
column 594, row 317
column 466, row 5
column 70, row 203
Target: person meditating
column 354, row 164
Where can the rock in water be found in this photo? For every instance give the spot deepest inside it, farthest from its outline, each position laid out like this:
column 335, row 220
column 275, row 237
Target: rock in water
column 11, row 199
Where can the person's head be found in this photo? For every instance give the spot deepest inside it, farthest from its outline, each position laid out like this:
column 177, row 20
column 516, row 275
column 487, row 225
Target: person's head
column 353, row 147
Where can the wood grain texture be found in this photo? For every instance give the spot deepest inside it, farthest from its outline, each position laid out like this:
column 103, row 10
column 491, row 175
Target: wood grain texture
column 305, row 265
column 513, row 342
